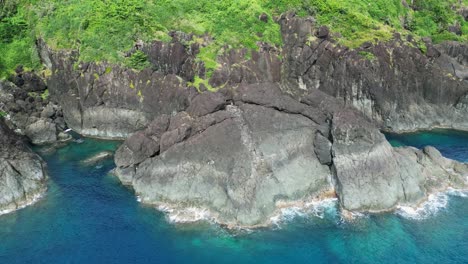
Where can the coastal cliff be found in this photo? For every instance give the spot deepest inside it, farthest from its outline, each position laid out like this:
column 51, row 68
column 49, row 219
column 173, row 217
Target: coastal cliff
column 264, row 127
column 280, row 127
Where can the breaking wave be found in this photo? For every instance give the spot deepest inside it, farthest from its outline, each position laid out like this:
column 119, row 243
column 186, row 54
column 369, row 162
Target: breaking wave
column 22, row 205
column 434, row 204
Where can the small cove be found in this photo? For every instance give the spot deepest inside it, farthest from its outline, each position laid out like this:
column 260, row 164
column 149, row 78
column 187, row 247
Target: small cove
column 87, row 216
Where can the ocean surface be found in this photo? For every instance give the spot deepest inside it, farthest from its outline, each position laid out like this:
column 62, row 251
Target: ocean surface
column 87, row 216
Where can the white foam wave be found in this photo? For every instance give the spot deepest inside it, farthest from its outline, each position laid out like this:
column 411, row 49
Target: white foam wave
column 314, row 208
column 432, row 206
column 457, row 192
column 185, row 215
column 22, row 205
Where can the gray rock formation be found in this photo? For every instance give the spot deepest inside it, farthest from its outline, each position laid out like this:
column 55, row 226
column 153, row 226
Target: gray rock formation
column 42, row 132
column 29, row 111
column 103, row 100
column 266, row 148
column 288, row 125
column 373, row 176
column 398, row 86
column 22, row 173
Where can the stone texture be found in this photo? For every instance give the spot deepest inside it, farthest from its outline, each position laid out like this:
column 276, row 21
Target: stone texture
column 22, row 173
column 42, row 132
column 401, row 89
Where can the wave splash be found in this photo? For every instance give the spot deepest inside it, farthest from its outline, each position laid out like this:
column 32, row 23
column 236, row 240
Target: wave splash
column 434, row 204
column 32, row 200
column 316, row 208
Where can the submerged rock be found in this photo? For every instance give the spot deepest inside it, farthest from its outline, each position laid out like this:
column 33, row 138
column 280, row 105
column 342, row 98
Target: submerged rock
column 97, row 158
column 22, row 173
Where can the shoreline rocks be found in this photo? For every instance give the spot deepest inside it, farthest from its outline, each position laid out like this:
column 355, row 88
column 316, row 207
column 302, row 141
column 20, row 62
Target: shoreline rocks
column 288, row 124
column 267, row 149
column 23, row 174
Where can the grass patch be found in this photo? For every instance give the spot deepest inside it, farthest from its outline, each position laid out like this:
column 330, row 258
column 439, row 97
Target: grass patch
column 45, row 94
column 367, row 55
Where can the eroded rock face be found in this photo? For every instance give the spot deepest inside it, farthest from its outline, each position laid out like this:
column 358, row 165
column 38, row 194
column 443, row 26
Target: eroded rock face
column 42, row 132
column 238, row 161
column 22, row 173
column 266, row 148
column 288, row 124
column 373, row 176
column 29, row 111
column 397, row 86
column 107, row 101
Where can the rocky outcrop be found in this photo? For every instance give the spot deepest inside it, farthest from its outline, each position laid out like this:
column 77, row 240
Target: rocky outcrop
column 242, row 159
column 394, row 83
column 371, row 176
column 287, row 125
column 107, row 101
column 29, row 111
column 22, row 173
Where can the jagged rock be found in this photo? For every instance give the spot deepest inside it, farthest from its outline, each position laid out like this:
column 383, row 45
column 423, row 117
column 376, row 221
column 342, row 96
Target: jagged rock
column 158, row 126
column 267, row 148
column 49, row 111
column 464, row 13
column 322, row 148
column 432, row 52
column 125, row 175
column 136, row 149
column 238, row 168
column 373, row 176
column 22, row 173
column 182, row 118
column 266, row 137
column 323, row 32
column 174, row 136
column 376, row 86
column 206, row 103
column 63, row 137
column 456, row 29
column 42, row 132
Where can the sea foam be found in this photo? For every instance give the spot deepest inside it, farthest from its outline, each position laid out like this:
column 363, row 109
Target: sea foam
column 314, row 208
column 22, row 205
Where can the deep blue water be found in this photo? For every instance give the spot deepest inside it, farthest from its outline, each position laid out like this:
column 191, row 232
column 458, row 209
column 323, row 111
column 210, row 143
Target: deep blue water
column 88, row 217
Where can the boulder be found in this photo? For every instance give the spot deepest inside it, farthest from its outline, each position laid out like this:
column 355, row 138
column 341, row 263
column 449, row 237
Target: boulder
column 136, row 149
column 42, row 132
column 322, row 32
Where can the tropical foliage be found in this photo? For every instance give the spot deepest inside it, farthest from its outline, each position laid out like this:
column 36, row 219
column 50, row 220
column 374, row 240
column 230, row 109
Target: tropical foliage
column 107, row 29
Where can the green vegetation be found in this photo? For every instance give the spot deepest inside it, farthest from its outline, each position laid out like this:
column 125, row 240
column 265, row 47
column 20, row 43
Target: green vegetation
column 367, row 55
column 16, row 39
column 45, row 95
column 107, row 29
column 3, row 114
column 138, row 61
column 198, row 82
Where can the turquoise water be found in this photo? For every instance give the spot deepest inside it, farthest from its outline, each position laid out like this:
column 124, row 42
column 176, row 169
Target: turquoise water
column 88, row 217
